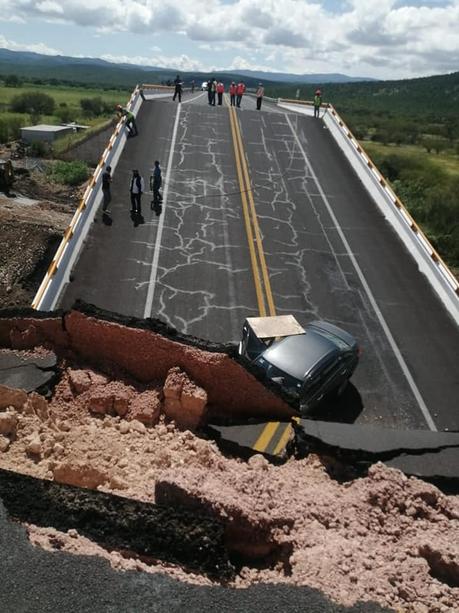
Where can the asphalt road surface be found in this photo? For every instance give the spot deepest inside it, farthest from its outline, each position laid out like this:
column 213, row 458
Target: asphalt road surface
column 262, row 213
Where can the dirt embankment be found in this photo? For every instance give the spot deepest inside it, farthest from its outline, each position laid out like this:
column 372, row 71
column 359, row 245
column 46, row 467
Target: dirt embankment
column 31, row 226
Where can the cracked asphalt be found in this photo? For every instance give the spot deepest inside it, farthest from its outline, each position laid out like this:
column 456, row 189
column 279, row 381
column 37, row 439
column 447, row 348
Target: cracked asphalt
column 329, row 253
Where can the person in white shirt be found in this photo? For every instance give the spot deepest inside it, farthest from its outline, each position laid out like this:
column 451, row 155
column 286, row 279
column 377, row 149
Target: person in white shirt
column 260, row 93
column 136, row 189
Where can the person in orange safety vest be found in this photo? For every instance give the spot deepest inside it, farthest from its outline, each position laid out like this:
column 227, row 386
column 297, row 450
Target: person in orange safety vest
column 239, row 93
column 220, row 90
column 232, row 93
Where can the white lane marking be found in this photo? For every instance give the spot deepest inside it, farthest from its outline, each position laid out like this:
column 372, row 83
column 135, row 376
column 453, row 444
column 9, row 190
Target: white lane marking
column 366, row 287
column 195, row 98
column 154, row 266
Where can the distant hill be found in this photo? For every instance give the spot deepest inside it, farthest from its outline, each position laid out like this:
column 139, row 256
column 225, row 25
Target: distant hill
column 300, row 78
column 436, row 96
column 94, row 70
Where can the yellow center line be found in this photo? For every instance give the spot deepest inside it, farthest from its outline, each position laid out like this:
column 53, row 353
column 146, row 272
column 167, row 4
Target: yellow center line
column 265, row 437
column 248, row 226
column 256, row 227
column 284, row 438
column 259, row 267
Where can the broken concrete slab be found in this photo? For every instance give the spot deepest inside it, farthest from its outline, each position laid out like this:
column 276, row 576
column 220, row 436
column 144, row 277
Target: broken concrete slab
column 433, row 456
column 268, row 438
column 13, row 359
column 435, row 466
column 28, row 372
column 376, row 441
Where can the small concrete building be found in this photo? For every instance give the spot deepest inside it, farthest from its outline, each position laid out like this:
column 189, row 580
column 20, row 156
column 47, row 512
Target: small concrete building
column 44, row 133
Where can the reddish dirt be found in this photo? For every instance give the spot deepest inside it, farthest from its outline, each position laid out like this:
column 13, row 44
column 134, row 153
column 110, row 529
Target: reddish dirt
column 384, row 538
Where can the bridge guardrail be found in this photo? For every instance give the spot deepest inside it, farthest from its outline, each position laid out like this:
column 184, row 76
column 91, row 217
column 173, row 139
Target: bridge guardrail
column 443, row 281
column 59, row 270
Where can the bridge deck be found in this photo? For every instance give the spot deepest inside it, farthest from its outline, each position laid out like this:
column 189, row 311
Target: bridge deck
column 328, row 251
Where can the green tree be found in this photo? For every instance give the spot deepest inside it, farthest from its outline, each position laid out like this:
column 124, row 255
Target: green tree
column 12, row 80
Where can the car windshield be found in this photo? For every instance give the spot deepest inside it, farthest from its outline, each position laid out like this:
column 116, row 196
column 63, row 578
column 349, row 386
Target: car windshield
column 336, row 339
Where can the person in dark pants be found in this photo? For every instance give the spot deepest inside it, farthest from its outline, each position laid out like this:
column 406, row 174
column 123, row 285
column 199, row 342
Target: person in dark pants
column 317, row 102
column 136, row 190
column 260, row 93
column 209, row 90
column 232, row 93
column 192, row 87
column 155, row 184
column 129, row 120
column 106, row 181
column 178, row 89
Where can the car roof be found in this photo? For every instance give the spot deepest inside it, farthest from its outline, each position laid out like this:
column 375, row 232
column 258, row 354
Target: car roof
column 297, row 355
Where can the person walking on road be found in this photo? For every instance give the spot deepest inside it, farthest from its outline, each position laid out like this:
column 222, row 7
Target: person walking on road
column 192, row 87
column 214, row 91
column 260, row 93
column 129, row 119
column 155, row 185
column 136, row 190
column 232, row 93
column 240, row 89
column 107, row 195
column 317, row 102
column 220, row 92
column 178, row 89
column 209, row 90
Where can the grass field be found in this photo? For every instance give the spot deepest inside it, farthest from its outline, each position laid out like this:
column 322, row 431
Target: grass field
column 70, row 95
column 445, row 161
column 67, row 108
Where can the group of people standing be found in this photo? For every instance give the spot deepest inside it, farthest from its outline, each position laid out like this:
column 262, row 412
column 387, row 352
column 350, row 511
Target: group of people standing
column 216, row 89
column 136, row 190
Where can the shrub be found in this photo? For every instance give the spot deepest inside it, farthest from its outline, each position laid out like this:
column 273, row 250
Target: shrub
column 10, row 127
column 33, row 103
column 94, row 106
column 68, row 173
column 38, row 149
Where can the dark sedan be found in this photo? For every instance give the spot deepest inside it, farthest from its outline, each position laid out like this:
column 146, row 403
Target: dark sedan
column 309, row 363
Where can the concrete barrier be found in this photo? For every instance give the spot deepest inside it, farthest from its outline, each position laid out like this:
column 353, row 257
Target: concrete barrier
column 440, row 277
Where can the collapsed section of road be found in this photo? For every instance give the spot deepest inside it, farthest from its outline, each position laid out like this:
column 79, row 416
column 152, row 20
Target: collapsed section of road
column 333, row 520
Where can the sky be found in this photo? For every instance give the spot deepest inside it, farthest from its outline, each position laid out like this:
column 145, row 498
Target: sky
column 384, row 39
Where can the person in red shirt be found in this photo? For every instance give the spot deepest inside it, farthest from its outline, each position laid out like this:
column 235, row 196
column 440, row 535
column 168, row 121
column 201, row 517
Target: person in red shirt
column 232, row 93
column 239, row 93
column 220, row 90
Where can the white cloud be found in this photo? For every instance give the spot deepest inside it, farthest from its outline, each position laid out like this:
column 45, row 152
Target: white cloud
column 33, row 47
column 180, row 62
column 387, row 38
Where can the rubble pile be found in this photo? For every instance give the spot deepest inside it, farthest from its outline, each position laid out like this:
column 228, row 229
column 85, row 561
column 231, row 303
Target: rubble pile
column 384, row 538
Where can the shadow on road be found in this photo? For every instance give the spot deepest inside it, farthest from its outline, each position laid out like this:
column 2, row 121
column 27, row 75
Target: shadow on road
column 345, row 409
column 137, row 219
